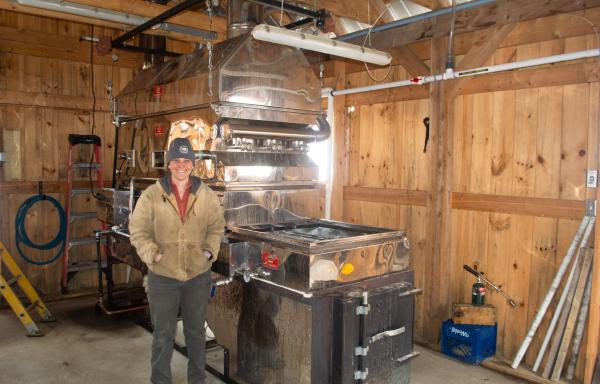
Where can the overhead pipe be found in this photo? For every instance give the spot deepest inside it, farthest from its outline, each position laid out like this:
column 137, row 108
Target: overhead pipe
column 450, row 74
column 413, row 19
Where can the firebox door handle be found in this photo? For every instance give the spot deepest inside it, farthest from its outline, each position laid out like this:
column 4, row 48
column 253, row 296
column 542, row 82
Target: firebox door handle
column 390, row 333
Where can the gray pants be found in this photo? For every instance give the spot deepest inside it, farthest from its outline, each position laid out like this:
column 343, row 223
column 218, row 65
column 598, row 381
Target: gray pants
column 166, row 296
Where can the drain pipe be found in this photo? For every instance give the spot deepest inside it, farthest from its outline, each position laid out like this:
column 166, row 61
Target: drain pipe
column 328, row 93
column 450, row 74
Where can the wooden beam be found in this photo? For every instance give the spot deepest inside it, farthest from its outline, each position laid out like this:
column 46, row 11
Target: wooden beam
column 386, row 195
column 411, row 62
column 495, row 364
column 483, row 48
column 10, row 6
column 515, row 205
column 29, row 187
column 425, row 3
column 380, row 7
column 437, row 285
column 498, row 13
column 413, row 92
column 340, row 154
column 585, row 71
column 519, row 205
column 30, row 43
column 46, row 100
column 352, row 9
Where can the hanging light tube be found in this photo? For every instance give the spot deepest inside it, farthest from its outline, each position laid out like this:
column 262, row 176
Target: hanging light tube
column 311, row 42
column 109, row 15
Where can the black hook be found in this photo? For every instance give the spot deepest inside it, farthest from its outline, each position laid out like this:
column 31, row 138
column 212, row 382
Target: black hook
column 41, row 190
column 426, row 123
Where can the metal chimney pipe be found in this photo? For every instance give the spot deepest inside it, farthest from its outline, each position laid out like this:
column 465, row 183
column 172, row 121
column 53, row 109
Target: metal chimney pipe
column 153, row 42
column 242, row 16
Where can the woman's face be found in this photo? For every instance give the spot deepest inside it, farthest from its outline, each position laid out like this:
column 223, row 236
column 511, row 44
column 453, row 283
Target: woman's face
column 181, row 168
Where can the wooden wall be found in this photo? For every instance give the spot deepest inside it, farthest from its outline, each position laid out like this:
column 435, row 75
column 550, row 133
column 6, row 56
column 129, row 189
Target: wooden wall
column 45, row 94
column 520, row 146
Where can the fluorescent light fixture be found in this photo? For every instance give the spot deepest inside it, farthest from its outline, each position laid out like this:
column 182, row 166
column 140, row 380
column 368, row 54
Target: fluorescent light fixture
column 311, row 42
column 109, row 15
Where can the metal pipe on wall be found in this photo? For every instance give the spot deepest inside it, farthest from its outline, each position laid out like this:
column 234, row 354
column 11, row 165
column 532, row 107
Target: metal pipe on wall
column 450, row 75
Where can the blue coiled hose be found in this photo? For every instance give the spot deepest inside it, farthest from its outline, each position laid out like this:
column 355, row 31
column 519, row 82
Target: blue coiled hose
column 21, row 232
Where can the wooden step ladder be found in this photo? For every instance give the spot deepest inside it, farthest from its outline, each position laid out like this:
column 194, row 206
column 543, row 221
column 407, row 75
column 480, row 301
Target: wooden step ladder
column 69, row 266
column 7, row 291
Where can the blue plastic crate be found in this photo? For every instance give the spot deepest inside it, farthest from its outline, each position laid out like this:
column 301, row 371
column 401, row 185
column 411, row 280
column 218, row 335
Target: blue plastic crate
column 469, row 343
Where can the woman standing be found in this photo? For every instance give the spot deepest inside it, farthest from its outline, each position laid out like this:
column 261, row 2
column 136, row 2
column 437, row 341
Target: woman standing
column 176, row 228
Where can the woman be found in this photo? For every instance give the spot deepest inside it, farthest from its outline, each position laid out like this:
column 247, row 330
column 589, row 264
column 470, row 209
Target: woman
column 176, row 228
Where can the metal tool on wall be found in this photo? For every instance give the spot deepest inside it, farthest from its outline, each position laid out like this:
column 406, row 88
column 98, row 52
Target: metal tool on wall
column 480, row 275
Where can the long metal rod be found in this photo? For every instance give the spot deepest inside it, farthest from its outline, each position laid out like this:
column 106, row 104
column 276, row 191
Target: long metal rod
column 585, row 305
column 119, row 41
column 556, row 315
column 585, row 228
column 414, row 19
column 586, row 270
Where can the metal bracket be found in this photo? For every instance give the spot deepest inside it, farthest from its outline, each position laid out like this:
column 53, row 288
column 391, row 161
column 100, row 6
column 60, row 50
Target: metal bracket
column 390, row 333
column 410, row 292
column 129, row 156
column 361, row 375
column 363, row 309
column 590, row 207
column 361, row 351
column 405, row 358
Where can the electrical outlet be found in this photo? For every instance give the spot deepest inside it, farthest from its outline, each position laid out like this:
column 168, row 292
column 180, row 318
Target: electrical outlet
column 592, row 178
column 590, row 207
column 2, row 157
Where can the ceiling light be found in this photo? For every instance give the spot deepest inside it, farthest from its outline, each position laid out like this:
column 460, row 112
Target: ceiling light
column 109, row 15
column 311, row 42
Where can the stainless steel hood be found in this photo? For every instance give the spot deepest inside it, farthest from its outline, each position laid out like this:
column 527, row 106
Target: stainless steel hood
column 252, row 81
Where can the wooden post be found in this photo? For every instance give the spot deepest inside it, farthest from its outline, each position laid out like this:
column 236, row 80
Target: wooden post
column 438, row 199
column 339, row 139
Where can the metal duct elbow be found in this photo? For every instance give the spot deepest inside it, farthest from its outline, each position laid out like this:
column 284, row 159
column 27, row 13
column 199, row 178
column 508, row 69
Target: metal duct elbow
column 324, row 128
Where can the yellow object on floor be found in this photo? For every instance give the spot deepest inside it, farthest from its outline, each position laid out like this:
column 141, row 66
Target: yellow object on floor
column 13, row 300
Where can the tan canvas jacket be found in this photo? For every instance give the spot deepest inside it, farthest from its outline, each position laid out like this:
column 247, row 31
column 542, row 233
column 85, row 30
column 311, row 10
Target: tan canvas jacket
column 156, row 227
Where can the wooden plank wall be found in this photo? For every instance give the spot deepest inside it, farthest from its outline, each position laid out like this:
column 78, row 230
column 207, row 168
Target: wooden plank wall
column 46, row 88
column 518, row 185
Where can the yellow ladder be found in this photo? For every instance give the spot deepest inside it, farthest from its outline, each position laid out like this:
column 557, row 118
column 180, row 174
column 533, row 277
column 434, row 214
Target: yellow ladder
column 17, row 306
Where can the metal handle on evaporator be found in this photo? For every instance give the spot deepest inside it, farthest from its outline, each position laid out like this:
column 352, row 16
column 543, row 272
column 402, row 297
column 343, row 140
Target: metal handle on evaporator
column 390, row 333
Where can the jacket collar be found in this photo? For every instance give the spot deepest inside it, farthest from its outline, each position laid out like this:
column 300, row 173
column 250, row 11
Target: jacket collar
column 165, row 182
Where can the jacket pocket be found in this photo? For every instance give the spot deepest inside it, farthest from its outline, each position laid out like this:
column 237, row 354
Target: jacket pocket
column 170, row 263
column 196, row 261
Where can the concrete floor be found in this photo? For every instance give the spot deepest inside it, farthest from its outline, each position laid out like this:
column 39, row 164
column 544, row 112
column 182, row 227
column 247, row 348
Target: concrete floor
column 83, row 347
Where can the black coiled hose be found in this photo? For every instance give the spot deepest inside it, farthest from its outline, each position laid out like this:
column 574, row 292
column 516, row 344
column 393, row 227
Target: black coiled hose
column 21, row 232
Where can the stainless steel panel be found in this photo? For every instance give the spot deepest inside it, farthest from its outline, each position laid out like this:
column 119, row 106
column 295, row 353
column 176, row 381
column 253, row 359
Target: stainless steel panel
column 112, row 206
column 308, row 273
column 312, row 237
column 270, row 206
